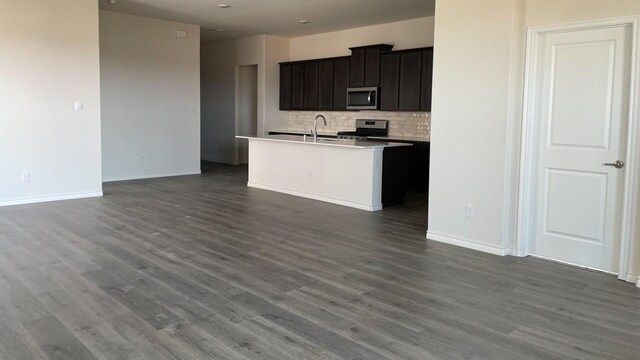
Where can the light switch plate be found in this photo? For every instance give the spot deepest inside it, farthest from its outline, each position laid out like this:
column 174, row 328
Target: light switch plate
column 78, row 106
column 181, row 34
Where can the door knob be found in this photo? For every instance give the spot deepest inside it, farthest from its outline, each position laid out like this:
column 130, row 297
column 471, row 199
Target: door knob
column 618, row 164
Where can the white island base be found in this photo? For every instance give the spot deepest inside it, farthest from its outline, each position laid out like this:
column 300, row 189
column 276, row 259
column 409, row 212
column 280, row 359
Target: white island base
column 343, row 172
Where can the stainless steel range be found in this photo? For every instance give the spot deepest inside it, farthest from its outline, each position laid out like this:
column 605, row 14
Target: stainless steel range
column 366, row 128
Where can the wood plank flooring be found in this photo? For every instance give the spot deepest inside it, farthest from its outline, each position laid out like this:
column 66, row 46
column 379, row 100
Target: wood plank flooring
column 202, row 267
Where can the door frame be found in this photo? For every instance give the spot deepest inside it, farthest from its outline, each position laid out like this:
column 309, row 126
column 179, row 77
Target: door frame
column 631, row 202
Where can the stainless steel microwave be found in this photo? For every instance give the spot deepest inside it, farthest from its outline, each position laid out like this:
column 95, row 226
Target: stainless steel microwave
column 363, row 98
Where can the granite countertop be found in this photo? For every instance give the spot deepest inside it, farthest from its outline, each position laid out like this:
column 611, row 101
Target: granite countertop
column 356, row 144
column 333, row 134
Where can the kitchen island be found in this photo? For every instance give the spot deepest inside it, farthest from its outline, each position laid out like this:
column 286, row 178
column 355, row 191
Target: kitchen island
column 417, row 159
column 361, row 174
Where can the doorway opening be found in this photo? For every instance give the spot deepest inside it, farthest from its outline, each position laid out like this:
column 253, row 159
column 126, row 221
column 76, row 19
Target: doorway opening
column 246, row 109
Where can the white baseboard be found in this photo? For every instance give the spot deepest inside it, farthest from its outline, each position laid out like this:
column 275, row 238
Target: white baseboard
column 633, row 278
column 221, row 161
column 150, row 176
column 48, row 198
column 469, row 244
column 316, row 197
column 511, row 252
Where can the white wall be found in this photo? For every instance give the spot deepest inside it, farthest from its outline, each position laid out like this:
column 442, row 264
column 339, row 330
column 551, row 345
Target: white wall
column 406, row 34
column 220, row 62
column 247, row 108
column 477, row 111
column 276, row 51
column 47, row 62
column 469, row 116
column 150, row 97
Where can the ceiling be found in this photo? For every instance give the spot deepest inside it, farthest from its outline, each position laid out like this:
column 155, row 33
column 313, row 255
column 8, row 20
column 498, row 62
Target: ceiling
column 275, row 17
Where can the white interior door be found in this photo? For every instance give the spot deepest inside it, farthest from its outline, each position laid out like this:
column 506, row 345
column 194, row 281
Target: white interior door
column 581, row 111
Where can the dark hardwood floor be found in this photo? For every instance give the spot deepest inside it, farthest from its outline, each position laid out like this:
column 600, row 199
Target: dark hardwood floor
column 202, row 267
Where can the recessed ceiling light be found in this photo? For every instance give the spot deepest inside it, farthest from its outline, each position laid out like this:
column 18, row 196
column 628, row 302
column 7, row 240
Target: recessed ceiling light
column 217, row 29
column 112, row 1
column 224, row 6
column 305, row 21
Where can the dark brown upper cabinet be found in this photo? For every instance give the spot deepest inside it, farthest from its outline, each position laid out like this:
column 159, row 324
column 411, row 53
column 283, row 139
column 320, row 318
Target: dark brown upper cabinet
column 311, row 85
column 410, row 76
column 297, row 86
column 427, row 80
column 406, row 77
column 389, row 81
column 340, row 82
column 372, row 65
column 325, row 84
column 365, row 65
column 356, row 73
column 285, row 87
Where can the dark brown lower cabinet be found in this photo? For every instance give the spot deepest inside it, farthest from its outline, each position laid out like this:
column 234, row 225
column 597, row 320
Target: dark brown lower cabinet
column 394, row 175
column 418, row 167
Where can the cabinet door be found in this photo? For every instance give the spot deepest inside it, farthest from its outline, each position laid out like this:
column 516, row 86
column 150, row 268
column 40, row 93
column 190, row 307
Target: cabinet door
column 418, row 169
column 340, row 83
column 427, row 80
column 285, row 87
column 325, row 85
column 372, row 67
column 356, row 76
column 311, row 85
column 389, row 81
column 410, row 75
column 297, row 86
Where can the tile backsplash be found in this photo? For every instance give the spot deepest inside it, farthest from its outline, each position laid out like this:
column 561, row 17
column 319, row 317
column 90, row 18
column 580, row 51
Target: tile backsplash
column 405, row 124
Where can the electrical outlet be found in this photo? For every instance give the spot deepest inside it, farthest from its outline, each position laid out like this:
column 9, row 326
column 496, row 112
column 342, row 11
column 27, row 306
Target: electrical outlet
column 471, row 211
column 78, row 106
column 26, row 177
column 221, row 148
column 141, row 160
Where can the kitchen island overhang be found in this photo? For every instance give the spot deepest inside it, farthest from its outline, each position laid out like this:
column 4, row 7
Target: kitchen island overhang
column 361, row 174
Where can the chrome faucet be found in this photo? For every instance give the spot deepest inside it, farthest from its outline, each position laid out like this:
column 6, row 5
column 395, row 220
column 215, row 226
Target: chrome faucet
column 315, row 127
